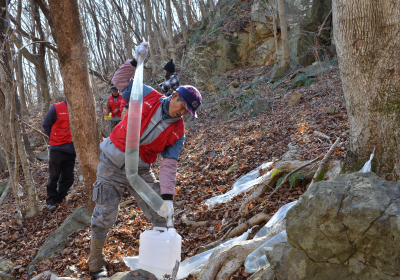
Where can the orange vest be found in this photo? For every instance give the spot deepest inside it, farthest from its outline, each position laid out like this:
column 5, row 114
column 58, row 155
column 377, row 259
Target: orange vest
column 169, row 136
column 61, row 131
column 115, row 105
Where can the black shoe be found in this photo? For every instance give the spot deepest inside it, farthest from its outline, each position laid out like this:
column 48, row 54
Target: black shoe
column 100, row 274
column 52, row 208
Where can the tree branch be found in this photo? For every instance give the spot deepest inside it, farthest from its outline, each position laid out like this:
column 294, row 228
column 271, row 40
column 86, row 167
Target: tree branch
column 323, row 162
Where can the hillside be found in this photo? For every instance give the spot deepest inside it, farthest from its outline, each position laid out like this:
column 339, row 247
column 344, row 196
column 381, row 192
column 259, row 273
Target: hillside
column 227, row 133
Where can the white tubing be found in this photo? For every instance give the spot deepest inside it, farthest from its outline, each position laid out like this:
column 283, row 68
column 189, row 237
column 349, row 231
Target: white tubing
column 133, row 143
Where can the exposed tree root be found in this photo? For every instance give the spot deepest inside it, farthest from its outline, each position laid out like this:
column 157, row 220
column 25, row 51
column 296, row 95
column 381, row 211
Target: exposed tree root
column 225, row 261
column 255, row 220
column 193, row 223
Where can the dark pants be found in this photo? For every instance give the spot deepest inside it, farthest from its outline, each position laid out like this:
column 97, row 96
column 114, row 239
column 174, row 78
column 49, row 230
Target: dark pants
column 114, row 123
column 61, row 171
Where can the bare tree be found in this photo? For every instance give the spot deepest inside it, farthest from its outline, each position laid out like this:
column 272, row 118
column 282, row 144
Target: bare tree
column 284, row 34
column 148, row 12
column 169, row 27
column 75, row 73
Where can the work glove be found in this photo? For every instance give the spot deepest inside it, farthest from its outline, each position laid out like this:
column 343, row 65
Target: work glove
column 164, row 213
column 142, row 51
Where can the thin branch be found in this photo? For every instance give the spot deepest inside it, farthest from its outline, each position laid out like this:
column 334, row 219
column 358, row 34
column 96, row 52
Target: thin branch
column 34, row 128
column 323, row 162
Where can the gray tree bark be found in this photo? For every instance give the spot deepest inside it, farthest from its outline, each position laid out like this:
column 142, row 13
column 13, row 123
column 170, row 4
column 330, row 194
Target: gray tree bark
column 368, row 47
column 284, row 34
column 75, row 73
column 169, row 27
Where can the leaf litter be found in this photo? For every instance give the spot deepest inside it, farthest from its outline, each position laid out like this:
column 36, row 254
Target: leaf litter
column 213, row 144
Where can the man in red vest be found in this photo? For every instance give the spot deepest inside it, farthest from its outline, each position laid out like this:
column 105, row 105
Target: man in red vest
column 62, row 154
column 113, row 107
column 162, row 132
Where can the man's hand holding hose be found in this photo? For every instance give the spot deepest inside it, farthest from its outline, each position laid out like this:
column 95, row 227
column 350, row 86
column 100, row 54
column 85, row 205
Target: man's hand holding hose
column 165, row 213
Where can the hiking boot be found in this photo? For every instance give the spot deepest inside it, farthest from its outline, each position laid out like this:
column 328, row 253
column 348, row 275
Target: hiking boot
column 97, row 261
column 52, row 208
column 100, row 274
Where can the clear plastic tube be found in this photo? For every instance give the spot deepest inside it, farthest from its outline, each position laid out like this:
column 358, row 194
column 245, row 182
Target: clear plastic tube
column 132, row 147
column 258, row 259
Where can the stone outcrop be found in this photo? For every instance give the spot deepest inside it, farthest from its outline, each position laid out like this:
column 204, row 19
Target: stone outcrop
column 56, row 241
column 5, row 270
column 240, row 33
column 345, row 228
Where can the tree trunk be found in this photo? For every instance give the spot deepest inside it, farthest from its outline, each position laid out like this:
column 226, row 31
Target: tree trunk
column 169, row 27
column 56, row 94
column 20, row 74
column 284, row 34
column 75, row 73
column 148, row 13
column 368, row 47
column 41, row 59
column 181, row 21
column 188, row 13
column 159, row 38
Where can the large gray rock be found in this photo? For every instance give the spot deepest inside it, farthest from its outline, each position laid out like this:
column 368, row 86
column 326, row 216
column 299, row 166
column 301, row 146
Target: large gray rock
column 132, row 275
column 5, row 270
column 259, row 105
column 345, row 228
column 43, row 156
column 79, row 219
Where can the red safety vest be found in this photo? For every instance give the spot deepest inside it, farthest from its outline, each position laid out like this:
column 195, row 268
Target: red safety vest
column 61, row 131
column 169, row 136
column 114, row 105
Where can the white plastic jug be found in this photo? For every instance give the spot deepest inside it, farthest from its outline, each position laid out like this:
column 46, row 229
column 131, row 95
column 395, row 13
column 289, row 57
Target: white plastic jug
column 159, row 250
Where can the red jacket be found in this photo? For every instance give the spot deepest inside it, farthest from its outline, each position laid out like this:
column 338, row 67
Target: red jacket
column 61, row 131
column 114, row 105
column 169, row 136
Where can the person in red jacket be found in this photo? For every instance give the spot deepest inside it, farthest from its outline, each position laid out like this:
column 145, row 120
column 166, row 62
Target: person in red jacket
column 162, row 132
column 62, row 154
column 113, row 107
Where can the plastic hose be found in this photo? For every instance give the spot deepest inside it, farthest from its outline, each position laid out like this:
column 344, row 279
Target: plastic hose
column 132, row 147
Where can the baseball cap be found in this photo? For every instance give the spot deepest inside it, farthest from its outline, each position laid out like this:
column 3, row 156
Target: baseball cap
column 114, row 88
column 191, row 98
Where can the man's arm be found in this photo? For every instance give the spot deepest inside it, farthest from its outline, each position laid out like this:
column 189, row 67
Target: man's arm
column 123, row 75
column 49, row 120
column 168, row 169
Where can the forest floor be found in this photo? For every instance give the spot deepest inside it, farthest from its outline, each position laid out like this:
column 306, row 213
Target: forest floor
column 214, row 143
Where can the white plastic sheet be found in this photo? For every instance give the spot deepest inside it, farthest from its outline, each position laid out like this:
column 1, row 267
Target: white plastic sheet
column 194, row 264
column 258, row 259
column 245, row 183
column 277, row 223
column 275, row 230
column 367, row 166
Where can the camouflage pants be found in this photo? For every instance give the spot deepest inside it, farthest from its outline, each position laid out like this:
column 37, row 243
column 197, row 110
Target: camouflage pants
column 107, row 192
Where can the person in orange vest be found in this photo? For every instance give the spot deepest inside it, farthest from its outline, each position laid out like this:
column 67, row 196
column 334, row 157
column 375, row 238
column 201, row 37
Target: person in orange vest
column 113, row 107
column 62, row 154
column 162, row 132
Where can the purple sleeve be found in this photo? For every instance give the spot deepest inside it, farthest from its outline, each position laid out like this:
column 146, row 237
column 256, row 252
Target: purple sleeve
column 168, row 176
column 49, row 120
column 123, row 75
